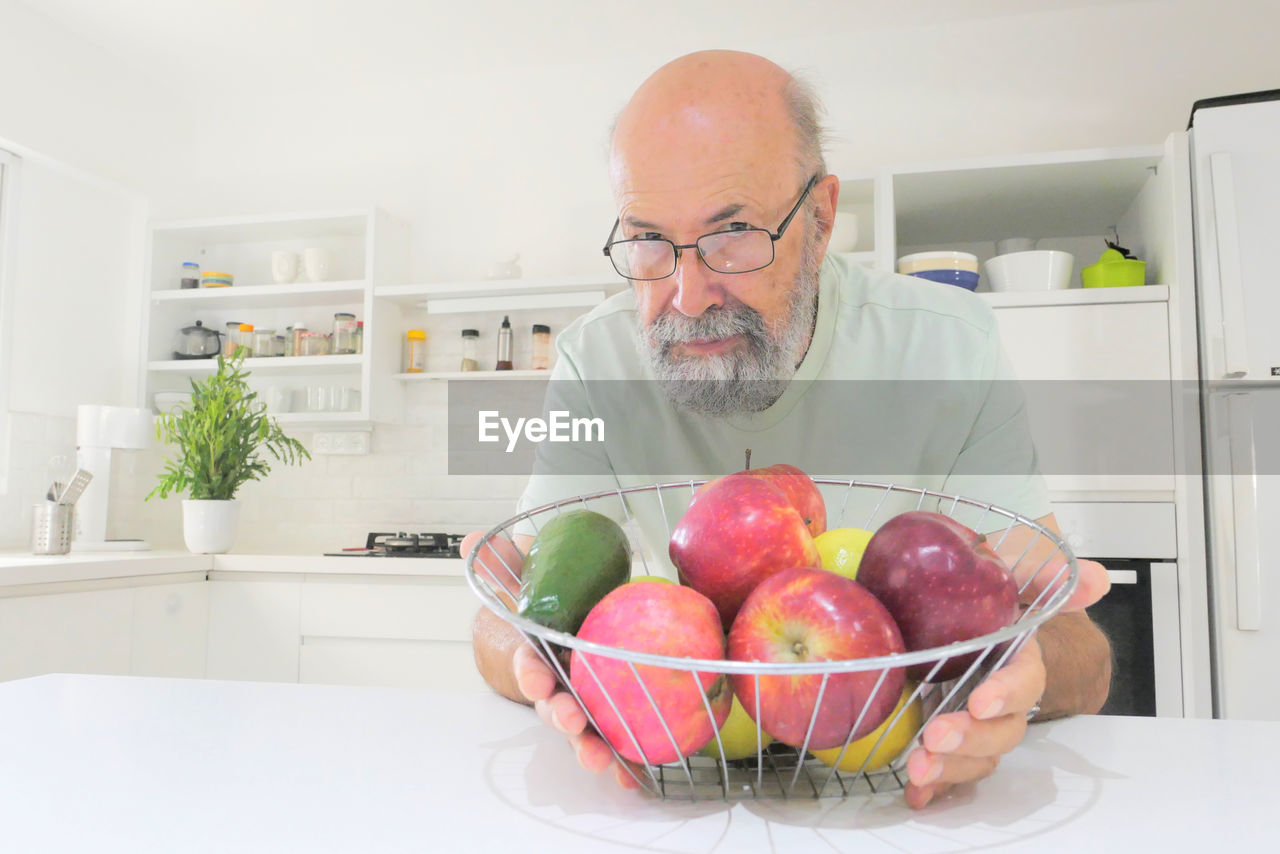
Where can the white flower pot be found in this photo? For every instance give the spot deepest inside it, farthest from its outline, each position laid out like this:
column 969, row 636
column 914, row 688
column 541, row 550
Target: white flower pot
column 209, row 527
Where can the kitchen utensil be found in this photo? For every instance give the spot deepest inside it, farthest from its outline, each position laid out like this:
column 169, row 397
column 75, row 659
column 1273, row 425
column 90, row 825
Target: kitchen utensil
column 197, row 342
column 52, row 526
column 1125, row 273
column 1037, row 270
column 52, row 494
column 315, row 263
column 844, row 232
column 777, row 771
column 73, row 490
column 284, row 266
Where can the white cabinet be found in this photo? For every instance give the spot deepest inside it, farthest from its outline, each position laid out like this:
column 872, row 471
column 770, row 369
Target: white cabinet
column 253, row 628
column 75, row 632
column 170, row 629
column 404, row 632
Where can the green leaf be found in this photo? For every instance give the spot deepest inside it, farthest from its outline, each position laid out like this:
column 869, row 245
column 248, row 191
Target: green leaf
column 219, row 437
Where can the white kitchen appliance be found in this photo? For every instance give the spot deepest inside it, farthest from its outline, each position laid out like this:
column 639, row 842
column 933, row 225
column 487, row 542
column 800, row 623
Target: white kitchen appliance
column 100, row 432
column 1235, row 154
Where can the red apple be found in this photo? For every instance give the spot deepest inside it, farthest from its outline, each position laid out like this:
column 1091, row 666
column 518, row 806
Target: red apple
column 803, row 615
column 737, row 532
column 800, row 490
column 942, row 583
column 664, row 619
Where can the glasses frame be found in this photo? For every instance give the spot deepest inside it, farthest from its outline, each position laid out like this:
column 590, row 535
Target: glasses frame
column 774, row 237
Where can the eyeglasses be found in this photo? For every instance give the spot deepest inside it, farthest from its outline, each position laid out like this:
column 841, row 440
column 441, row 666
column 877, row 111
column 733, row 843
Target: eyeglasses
column 738, row 250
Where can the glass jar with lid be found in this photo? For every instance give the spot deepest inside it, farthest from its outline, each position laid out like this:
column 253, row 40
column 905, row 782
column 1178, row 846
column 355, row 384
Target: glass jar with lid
column 264, row 342
column 344, row 333
column 415, row 351
column 246, row 339
column 470, row 346
column 314, row 344
column 231, row 339
column 294, row 345
column 541, row 358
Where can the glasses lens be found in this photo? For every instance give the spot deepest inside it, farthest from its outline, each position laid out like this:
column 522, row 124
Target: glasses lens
column 643, row 259
column 737, row 251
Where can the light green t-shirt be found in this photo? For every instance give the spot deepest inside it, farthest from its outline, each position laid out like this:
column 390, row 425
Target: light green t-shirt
column 904, row 382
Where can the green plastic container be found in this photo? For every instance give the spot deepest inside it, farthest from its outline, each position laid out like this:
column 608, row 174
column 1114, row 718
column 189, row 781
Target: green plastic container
column 1114, row 274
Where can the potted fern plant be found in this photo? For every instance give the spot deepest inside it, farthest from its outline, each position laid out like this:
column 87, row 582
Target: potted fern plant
column 219, row 436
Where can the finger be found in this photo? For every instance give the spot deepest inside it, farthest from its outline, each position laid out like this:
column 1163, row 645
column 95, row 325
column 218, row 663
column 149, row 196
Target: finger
column 565, row 713
column 534, row 679
column 960, row 734
column 919, row 796
column 925, row 768
column 1014, row 688
column 593, row 754
column 498, row 562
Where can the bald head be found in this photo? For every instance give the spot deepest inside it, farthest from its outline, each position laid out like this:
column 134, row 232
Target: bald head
column 711, row 105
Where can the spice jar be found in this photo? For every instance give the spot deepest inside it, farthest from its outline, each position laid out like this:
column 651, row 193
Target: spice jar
column 415, row 357
column 264, row 342
column 231, row 339
column 295, row 346
column 359, row 336
column 541, row 359
column 344, row 333
column 470, row 343
column 246, row 339
column 314, row 344
column 190, row 276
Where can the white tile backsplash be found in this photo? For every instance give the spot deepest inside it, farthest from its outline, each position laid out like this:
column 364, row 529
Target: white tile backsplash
column 334, row 501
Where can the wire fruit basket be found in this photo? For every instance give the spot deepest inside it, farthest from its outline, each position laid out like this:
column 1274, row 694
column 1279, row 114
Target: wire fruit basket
column 775, row 770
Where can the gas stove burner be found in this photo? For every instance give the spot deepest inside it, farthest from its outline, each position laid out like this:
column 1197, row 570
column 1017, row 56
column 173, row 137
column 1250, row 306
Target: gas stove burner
column 401, row 544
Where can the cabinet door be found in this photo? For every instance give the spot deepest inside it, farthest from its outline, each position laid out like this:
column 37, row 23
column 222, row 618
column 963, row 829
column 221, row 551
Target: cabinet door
column 253, row 630
column 170, row 629
column 442, row 665
column 82, row 632
column 1096, row 378
column 409, row 632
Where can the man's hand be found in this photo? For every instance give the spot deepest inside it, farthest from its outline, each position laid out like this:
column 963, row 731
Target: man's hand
column 513, row 669
column 964, row 746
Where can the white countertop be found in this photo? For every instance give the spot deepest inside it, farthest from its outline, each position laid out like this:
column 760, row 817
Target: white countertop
column 125, row 764
column 26, row 568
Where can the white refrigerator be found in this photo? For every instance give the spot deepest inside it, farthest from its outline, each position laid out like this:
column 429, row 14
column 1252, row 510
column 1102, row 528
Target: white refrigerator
column 1235, row 154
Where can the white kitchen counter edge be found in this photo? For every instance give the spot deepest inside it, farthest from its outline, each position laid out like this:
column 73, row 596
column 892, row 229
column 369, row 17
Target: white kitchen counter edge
column 20, row 568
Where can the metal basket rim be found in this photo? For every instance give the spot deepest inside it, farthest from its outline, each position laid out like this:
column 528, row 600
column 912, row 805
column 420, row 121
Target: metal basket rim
column 1028, row 622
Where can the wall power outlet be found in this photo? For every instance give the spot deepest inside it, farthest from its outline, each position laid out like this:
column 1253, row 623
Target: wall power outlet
column 345, row 442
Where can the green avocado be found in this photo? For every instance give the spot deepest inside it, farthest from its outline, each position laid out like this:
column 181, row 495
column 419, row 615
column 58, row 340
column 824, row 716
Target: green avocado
column 576, row 559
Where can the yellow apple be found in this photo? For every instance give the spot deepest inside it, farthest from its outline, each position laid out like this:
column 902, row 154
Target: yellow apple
column 841, row 550
column 738, row 735
column 894, row 743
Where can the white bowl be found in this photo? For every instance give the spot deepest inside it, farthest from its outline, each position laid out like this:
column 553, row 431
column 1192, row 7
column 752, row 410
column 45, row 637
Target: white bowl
column 844, row 232
column 921, row 262
column 1037, row 270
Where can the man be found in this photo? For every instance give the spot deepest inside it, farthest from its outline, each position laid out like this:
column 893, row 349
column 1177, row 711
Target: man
column 725, row 209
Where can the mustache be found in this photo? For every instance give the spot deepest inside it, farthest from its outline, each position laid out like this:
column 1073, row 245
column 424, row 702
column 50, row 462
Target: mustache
column 673, row 328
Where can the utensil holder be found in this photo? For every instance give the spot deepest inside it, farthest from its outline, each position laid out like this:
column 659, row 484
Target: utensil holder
column 52, row 526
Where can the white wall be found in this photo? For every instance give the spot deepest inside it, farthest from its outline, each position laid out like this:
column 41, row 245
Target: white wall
column 487, row 132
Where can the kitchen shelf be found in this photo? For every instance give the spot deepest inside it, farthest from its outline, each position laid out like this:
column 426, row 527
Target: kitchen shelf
column 472, row 375
column 274, row 296
column 259, row 367
column 1078, row 296
column 517, row 294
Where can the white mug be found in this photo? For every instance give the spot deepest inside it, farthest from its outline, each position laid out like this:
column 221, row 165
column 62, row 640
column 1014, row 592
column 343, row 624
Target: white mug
column 284, row 266
column 315, row 262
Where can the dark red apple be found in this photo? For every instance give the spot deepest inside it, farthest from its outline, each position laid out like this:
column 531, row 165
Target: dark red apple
column 665, row 619
column 942, row 583
column 737, row 532
column 804, row 615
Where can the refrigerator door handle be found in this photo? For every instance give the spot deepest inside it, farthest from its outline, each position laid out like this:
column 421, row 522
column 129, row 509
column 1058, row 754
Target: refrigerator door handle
column 1244, row 498
column 1230, row 282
